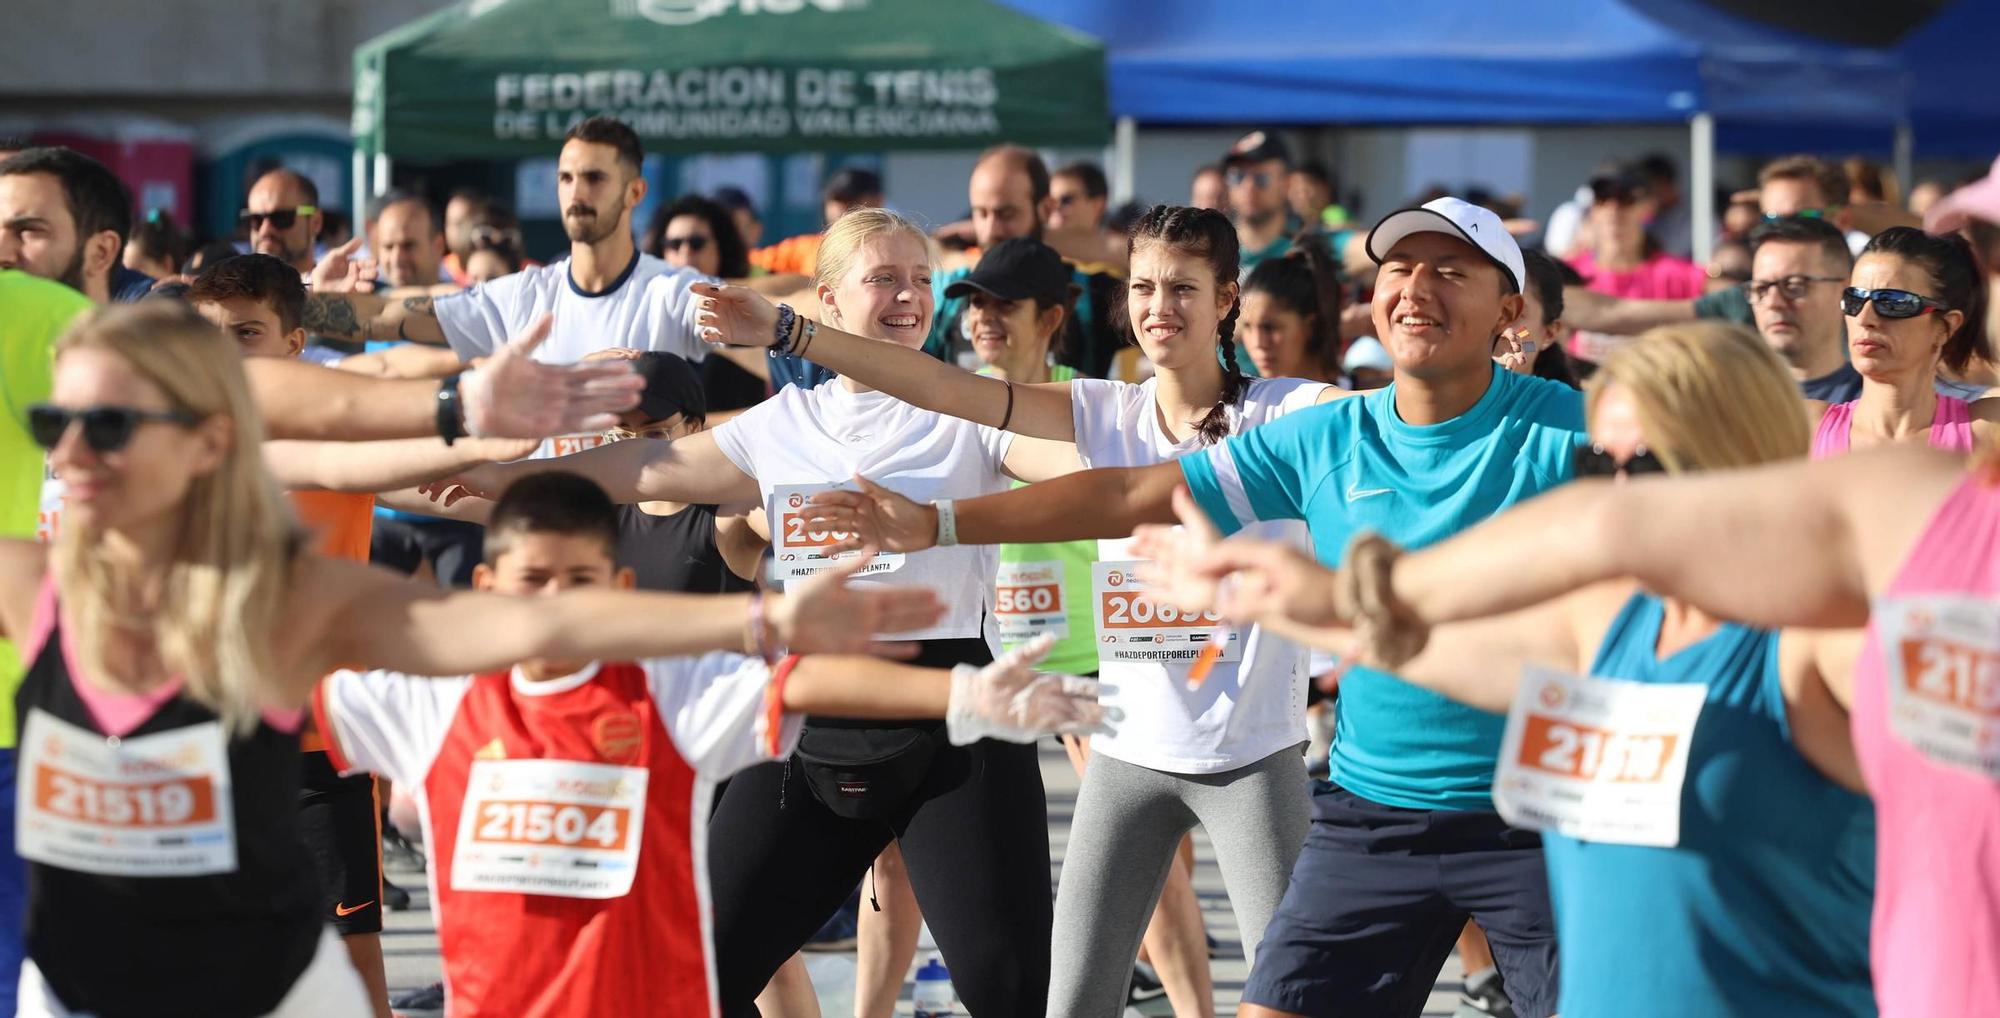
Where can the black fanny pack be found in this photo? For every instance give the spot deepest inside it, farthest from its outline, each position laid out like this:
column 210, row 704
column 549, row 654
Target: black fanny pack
column 868, row 773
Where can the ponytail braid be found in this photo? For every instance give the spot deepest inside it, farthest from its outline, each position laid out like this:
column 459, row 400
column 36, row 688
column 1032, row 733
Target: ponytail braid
column 1214, row 426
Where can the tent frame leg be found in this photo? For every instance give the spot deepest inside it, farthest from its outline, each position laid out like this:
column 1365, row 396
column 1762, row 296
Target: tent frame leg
column 1124, row 160
column 1701, row 184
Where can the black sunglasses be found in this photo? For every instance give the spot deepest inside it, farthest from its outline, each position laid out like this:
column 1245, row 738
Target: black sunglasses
column 1889, row 303
column 105, row 428
column 1238, row 176
column 283, row 219
column 695, row 243
column 1593, row 461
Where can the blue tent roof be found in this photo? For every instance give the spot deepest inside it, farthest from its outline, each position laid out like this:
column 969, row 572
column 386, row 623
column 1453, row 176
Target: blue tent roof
column 1459, row 61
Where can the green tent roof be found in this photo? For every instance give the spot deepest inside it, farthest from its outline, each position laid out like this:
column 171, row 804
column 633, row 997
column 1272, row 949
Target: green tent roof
column 506, row 78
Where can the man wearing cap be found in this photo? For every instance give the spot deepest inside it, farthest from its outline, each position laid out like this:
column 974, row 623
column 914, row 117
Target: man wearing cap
column 1405, row 843
column 1257, row 170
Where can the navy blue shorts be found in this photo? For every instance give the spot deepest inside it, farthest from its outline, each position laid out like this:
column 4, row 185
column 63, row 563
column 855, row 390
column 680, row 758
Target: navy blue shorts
column 1379, row 895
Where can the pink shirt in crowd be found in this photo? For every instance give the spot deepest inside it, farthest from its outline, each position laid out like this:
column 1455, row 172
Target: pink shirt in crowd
column 1661, row 277
column 1951, row 428
column 1935, row 944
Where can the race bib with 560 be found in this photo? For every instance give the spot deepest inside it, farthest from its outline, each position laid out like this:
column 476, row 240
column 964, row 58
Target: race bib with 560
column 1597, row 759
column 147, row 806
column 1941, row 654
column 1132, row 628
column 798, row 548
column 563, row 828
column 1028, row 601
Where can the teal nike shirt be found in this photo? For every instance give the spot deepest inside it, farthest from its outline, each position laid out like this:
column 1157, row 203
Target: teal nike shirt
column 1353, row 465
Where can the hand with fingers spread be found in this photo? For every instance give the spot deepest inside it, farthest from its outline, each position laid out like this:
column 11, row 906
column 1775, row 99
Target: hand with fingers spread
column 339, row 271
column 735, row 316
column 1009, row 700
column 824, row 615
column 1246, row 581
column 513, row 395
column 875, row 516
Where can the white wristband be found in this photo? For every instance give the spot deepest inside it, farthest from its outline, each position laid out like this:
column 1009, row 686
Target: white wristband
column 947, row 532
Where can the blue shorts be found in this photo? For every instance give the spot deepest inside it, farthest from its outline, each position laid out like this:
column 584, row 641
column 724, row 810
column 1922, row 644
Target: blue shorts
column 1378, row 897
column 13, row 891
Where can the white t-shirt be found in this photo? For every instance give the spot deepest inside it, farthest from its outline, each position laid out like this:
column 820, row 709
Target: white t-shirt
column 828, row 434
column 1245, row 710
column 650, row 307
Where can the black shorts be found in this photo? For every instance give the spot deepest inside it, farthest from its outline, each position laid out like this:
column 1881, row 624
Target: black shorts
column 452, row 547
column 1379, row 895
column 341, row 825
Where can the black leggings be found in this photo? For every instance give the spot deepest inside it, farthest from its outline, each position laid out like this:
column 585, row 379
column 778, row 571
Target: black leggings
column 975, row 841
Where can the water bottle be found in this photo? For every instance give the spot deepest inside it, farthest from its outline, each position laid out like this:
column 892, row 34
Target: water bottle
column 933, row 997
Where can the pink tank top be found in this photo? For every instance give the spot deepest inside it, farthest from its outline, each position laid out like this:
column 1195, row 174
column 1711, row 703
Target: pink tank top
column 1951, row 428
column 1936, row 937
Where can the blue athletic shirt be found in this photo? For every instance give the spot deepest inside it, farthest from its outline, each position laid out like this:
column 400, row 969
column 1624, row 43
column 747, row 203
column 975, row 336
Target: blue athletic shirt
column 1763, row 907
column 1353, row 465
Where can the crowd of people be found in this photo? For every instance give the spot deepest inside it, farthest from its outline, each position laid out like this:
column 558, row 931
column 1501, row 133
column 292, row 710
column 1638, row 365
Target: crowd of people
column 1625, row 624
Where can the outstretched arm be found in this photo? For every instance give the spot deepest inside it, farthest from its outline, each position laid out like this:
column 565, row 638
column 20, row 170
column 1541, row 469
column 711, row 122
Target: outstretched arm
column 691, row 469
column 738, row 316
column 382, row 466
column 376, row 619
column 1621, row 316
column 357, row 317
column 1105, row 503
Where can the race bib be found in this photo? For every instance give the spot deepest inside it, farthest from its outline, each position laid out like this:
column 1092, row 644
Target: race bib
column 1597, row 759
column 147, row 806
column 799, row 548
column 562, row 828
column 1028, row 601
column 1942, row 657
column 1132, row 628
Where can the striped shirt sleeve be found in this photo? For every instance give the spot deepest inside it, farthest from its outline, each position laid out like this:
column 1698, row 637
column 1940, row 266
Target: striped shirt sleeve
column 1250, row 477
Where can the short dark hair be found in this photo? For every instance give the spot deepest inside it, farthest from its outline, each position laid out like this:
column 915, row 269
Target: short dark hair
column 603, row 130
column 208, row 254
column 733, row 258
column 96, row 198
column 156, row 236
column 1089, row 174
column 299, row 180
column 851, row 184
column 1317, row 170
column 1547, row 277
column 1027, row 162
column 1657, row 168
column 1959, row 280
column 1810, row 230
column 552, row 502
column 258, row 277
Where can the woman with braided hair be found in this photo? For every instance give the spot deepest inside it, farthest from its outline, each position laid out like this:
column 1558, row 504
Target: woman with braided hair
column 1215, row 744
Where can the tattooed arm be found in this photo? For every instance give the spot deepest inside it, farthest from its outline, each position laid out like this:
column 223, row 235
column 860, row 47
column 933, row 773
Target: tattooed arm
column 369, row 316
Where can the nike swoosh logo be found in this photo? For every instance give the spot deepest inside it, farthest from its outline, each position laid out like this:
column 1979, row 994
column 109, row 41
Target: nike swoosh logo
column 1355, row 494
column 343, row 911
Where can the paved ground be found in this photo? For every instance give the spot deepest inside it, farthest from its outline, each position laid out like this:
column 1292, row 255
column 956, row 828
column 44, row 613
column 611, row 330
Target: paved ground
column 410, row 942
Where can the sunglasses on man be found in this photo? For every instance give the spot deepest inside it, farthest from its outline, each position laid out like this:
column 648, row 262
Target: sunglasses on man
column 1889, row 303
column 283, row 219
column 1238, row 176
column 105, row 428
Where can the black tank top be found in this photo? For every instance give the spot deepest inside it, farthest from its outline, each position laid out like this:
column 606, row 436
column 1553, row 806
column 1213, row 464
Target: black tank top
column 224, row 944
column 675, row 553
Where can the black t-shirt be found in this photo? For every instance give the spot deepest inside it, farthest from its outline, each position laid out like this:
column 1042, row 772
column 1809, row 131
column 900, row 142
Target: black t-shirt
column 675, row 553
column 1842, row 386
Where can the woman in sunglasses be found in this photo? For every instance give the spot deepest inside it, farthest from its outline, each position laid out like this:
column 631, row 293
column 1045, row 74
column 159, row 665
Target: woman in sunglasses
column 173, row 634
column 1740, row 886
column 1918, row 302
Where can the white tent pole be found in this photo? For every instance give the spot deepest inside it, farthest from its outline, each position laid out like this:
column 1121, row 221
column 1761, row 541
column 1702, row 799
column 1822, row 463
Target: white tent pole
column 381, row 180
column 1906, row 146
column 1701, row 184
column 1124, row 164
column 360, row 187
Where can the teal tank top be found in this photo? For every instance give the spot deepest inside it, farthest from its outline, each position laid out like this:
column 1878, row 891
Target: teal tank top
column 1763, row 907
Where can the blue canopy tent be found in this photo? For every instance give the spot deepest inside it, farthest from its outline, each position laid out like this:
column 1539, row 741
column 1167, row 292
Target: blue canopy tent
column 1493, row 61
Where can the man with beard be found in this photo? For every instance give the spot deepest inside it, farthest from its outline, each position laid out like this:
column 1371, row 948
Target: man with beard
column 606, row 293
column 1257, row 169
column 283, row 217
column 65, row 217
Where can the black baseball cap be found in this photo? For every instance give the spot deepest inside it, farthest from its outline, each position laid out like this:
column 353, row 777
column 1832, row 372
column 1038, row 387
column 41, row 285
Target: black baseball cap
column 1017, row 268
column 672, row 386
column 1622, row 184
column 1257, row 147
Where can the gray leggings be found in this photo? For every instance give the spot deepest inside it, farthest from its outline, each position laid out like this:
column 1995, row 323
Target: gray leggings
column 1129, row 821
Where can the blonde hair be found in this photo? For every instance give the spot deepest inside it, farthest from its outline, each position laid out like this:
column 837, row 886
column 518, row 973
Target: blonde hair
column 1710, row 396
column 226, row 585
column 841, row 243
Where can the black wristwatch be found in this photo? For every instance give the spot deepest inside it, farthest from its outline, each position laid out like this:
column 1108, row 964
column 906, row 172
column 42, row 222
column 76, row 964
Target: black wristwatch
column 450, row 412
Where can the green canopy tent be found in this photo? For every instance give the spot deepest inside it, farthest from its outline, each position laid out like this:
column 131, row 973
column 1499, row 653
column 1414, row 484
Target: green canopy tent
column 503, row 79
